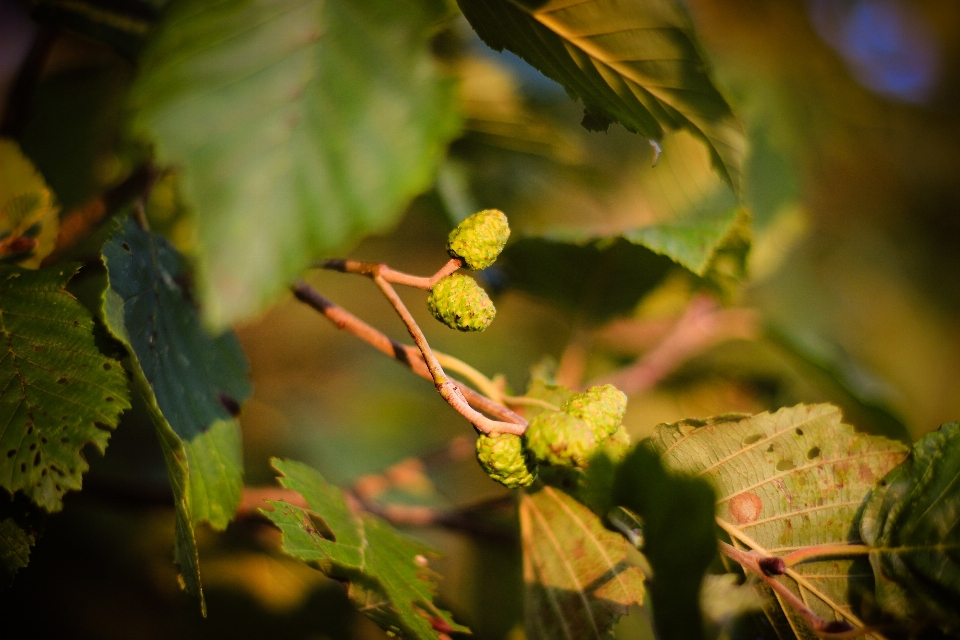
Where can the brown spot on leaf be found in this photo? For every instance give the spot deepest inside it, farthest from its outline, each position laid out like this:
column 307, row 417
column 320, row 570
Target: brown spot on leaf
column 746, row 507
column 813, row 453
column 865, row 473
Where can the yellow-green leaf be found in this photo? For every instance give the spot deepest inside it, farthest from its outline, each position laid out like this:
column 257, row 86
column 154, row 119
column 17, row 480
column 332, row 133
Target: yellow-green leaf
column 787, row 480
column 577, row 576
column 28, row 212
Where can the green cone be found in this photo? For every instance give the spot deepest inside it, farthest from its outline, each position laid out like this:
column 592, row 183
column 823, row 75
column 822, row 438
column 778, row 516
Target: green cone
column 460, row 303
column 479, row 239
column 602, row 407
column 561, row 439
column 505, row 459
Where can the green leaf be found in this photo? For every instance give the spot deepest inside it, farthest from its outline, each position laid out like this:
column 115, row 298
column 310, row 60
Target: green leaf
column 15, row 546
column 787, row 480
column 679, row 537
column 193, row 382
column 301, row 126
column 58, row 393
column 912, row 521
column 386, row 572
column 28, row 210
column 633, row 62
column 577, row 575
column 602, row 261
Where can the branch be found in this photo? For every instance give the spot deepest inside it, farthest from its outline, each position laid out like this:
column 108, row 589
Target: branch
column 447, row 389
column 370, row 269
column 702, row 325
column 407, row 355
column 766, row 568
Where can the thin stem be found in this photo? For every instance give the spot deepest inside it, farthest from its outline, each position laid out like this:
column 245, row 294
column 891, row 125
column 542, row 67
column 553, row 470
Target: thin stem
column 530, row 402
column 825, row 551
column 405, row 354
column 448, row 391
column 751, row 561
column 480, row 381
column 371, row 269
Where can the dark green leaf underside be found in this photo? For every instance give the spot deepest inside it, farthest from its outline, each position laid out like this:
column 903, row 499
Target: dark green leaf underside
column 300, row 126
column 913, row 520
column 58, row 393
column 386, row 572
column 193, row 382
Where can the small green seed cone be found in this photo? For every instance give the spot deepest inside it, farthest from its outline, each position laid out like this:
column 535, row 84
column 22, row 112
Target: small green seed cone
column 602, row 407
column 460, row 303
column 506, row 460
column 560, row 439
column 479, row 239
column 618, row 444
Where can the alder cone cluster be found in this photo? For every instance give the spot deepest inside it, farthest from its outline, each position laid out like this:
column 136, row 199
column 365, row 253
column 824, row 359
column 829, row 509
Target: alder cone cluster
column 479, row 239
column 506, row 460
column 589, row 420
column 460, row 303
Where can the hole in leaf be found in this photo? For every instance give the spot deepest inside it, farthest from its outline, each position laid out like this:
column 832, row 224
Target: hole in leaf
column 38, row 347
column 61, row 380
column 126, row 247
column 231, row 405
column 813, row 453
column 29, row 429
column 11, row 453
column 64, row 440
column 108, row 399
column 23, row 467
column 785, row 465
column 76, row 323
column 752, row 439
column 33, row 446
column 59, row 488
column 43, row 440
column 770, row 449
column 36, row 459
column 43, row 473
column 799, row 431
column 107, row 366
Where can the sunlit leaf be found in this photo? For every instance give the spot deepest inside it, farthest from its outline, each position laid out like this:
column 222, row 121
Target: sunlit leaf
column 194, row 383
column 58, row 393
column 578, row 578
column 912, row 521
column 632, row 62
column 28, row 212
column 385, row 571
column 787, row 480
column 679, row 537
column 300, row 127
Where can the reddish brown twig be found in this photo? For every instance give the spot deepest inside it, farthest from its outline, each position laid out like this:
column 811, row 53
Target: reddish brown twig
column 407, row 355
column 767, row 568
column 702, row 325
column 370, row 269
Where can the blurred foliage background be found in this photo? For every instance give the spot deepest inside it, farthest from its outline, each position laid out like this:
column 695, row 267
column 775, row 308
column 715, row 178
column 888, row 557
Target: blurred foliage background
column 852, row 109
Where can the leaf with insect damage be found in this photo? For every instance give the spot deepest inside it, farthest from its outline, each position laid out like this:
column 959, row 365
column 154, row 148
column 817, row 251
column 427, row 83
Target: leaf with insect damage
column 385, row 572
column 787, row 480
column 58, row 393
column 578, row 578
column 193, row 382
